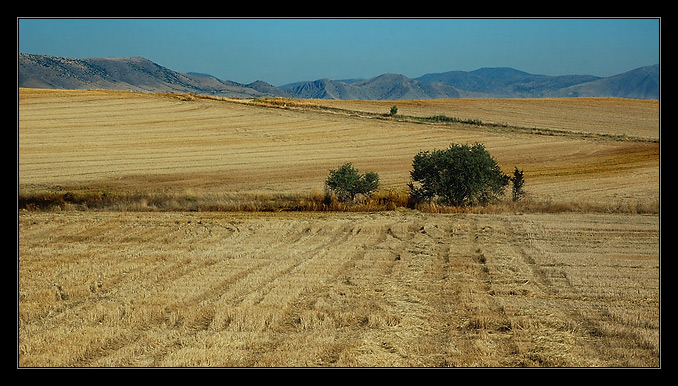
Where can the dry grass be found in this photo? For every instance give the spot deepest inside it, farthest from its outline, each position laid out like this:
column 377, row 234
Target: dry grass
column 160, row 241
column 313, row 202
column 395, row 288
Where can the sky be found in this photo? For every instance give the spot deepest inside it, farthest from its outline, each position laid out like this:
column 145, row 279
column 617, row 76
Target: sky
column 282, row 51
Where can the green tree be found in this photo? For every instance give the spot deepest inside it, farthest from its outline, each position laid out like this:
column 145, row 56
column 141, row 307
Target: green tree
column 346, row 182
column 461, row 175
column 393, row 111
column 518, row 181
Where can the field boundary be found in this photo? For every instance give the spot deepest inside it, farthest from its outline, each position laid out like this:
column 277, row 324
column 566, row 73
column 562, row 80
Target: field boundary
column 312, row 202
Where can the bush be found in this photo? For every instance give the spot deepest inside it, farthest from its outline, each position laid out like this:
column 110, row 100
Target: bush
column 518, row 181
column 346, row 182
column 461, row 175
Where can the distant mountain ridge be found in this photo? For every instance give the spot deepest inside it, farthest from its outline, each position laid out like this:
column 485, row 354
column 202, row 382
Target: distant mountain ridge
column 133, row 74
column 140, row 74
column 506, row 82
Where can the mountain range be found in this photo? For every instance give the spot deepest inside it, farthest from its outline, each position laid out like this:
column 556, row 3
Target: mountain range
column 141, row 74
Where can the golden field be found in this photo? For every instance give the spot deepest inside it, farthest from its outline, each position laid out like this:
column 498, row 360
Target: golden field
column 152, row 277
column 215, row 150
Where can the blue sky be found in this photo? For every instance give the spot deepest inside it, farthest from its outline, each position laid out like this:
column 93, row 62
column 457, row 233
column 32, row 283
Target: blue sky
column 281, row 51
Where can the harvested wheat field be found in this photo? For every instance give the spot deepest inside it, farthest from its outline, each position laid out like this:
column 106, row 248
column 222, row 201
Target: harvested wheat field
column 216, row 151
column 369, row 289
column 180, row 230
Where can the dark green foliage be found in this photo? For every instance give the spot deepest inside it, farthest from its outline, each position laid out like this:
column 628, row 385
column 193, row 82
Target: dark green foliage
column 346, row 182
column 394, row 111
column 518, row 181
column 461, row 175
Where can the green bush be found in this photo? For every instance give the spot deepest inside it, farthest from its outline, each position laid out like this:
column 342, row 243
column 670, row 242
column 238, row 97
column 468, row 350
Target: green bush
column 346, row 182
column 462, row 175
column 518, row 181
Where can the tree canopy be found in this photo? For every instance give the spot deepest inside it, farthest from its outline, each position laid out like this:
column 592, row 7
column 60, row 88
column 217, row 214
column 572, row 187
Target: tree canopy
column 460, row 175
column 346, row 182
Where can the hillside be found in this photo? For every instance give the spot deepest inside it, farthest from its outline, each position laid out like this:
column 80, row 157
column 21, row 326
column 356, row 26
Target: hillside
column 641, row 83
column 505, row 82
column 129, row 74
column 140, row 74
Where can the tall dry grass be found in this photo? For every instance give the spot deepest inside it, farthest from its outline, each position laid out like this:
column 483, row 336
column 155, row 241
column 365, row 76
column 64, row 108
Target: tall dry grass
column 316, row 201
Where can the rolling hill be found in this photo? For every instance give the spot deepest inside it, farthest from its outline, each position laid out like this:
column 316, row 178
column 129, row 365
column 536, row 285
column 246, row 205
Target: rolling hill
column 505, row 82
column 140, row 74
column 641, row 83
column 133, row 74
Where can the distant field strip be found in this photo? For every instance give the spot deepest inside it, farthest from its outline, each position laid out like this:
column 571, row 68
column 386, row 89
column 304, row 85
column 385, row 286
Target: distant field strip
column 389, row 289
column 536, row 116
column 601, row 116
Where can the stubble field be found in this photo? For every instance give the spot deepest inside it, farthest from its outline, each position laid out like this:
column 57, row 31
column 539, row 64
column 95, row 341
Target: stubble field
column 570, row 278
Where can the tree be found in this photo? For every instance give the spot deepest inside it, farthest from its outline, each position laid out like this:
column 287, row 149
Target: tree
column 393, row 111
column 461, row 175
column 346, row 182
column 518, row 181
